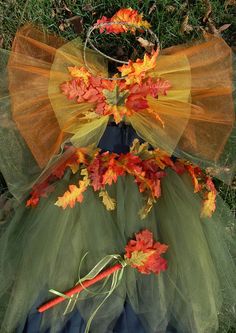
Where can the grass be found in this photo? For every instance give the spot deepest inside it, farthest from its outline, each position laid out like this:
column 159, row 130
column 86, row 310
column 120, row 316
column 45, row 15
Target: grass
column 68, row 18
column 165, row 16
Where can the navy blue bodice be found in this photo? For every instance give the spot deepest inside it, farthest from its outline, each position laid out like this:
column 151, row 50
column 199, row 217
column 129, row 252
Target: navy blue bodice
column 118, row 138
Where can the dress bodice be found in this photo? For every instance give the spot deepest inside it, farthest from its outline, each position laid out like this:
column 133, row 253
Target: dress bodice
column 118, row 138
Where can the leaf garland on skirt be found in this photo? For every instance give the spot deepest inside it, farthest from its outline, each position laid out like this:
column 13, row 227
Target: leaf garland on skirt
column 100, row 170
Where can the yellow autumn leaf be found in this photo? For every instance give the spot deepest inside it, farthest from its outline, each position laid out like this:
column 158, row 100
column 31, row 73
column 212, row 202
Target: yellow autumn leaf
column 80, row 73
column 209, row 205
column 145, row 210
column 108, row 202
column 135, row 71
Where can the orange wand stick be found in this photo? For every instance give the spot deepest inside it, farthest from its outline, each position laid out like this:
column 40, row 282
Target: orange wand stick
column 142, row 253
column 77, row 289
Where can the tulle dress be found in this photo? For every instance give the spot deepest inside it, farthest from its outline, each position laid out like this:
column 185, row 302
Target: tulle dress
column 43, row 246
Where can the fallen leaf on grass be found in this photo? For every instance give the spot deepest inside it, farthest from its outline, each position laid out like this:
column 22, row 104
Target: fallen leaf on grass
column 170, row 9
column 77, row 23
column 64, row 25
column 152, row 8
column 66, row 8
column 88, row 7
column 185, row 26
column 230, row 3
column 208, row 10
column 148, row 46
column 224, row 27
column 214, row 30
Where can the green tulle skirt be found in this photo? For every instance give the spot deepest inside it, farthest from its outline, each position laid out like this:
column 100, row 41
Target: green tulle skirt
column 42, row 248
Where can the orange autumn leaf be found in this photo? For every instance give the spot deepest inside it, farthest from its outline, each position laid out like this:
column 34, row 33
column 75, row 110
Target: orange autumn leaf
column 80, row 73
column 75, row 193
column 136, row 71
column 194, row 173
column 112, row 173
column 70, row 197
column 32, row 202
column 116, row 111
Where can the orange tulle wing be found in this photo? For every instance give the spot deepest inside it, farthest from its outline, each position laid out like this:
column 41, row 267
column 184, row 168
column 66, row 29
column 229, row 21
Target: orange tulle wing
column 29, row 70
column 212, row 116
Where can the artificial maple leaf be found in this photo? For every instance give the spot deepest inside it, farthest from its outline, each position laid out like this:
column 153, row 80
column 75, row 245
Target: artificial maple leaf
column 156, row 116
column 117, row 112
column 95, row 175
column 71, row 89
column 113, row 171
column 108, row 202
column 80, row 73
column 139, row 258
column 162, row 159
column 71, row 162
column 144, row 254
column 136, row 71
column 115, row 97
column 131, row 163
column 179, row 167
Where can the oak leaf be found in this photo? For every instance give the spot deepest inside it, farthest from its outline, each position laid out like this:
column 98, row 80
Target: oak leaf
column 108, row 202
column 75, row 193
column 209, row 204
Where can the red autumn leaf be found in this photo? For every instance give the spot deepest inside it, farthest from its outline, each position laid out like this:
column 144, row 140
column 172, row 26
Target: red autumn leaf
column 113, row 171
column 95, row 174
column 210, row 185
column 32, row 202
column 131, row 163
column 71, row 89
column 38, row 191
column 195, row 172
column 179, row 167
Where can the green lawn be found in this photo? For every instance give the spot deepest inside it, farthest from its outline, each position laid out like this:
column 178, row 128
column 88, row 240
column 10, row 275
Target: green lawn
column 165, row 16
